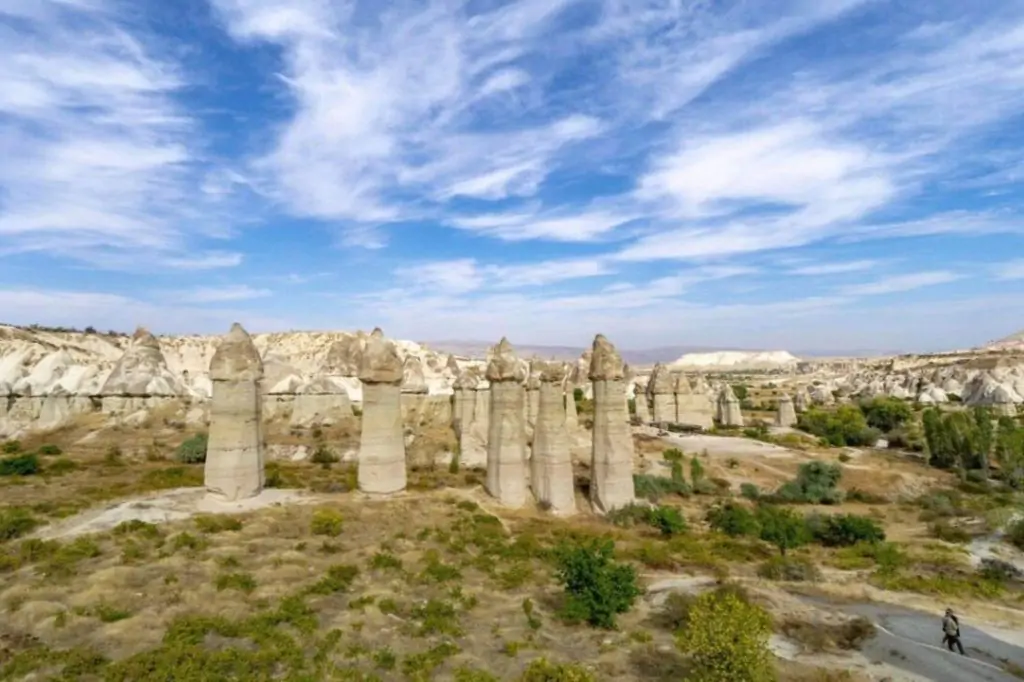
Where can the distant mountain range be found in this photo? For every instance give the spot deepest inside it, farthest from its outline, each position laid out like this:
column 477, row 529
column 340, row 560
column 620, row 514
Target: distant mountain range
column 647, row 356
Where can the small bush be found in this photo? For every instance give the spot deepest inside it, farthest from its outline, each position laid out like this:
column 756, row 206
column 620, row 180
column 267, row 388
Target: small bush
column 750, row 491
column 844, row 530
column 217, row 523
column 61, row 466
column 733, row 519
column 542, row 670
column 20, row 465
column 792, row 569
column 815, row 483
column 653, row 488
column 15, row 523
column 727, row 640
column 668, row 520
column 11, row 447
column 865, row 497
column 999, row 571
column 596, row 587
column 327, row 522
column 782, row 528
column 323, row 456
column 193, row 450
column 49, row 450
column 947, row 532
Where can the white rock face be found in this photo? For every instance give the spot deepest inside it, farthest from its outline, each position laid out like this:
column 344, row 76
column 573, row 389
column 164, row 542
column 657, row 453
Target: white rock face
column 611, row 483
column 736, row 360
column 506, row 437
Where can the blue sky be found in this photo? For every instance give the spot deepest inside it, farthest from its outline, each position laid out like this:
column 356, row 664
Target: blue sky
column 802, row 174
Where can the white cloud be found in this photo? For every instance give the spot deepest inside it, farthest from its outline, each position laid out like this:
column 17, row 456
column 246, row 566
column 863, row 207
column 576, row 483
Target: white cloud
column 1013, row 269
column 901, row 283
column 466, row 275
column 96, row 149
column 220, row 294
column 837, row 268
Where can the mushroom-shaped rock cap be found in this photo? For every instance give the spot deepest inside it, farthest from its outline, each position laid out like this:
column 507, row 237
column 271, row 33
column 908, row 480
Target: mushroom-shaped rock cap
column 661, row 380
column 785, row 398
column 606, row 363
column 413, row 380
column 236, row 357
column 142, row 338
column 503, row 365
column 683, row 384
column 344, row 356
column 380, row 363
column 467, row 380
column 452, row 364
column 727, row 395
column 549, row 372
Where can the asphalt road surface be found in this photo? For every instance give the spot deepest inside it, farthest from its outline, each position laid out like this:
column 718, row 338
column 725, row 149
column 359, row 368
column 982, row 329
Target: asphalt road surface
column 912, row 641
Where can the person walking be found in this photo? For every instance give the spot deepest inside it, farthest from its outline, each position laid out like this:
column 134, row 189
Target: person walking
column 951, row 631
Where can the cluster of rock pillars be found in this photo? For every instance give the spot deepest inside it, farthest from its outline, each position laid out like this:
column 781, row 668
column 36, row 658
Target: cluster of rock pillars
column 513, row 403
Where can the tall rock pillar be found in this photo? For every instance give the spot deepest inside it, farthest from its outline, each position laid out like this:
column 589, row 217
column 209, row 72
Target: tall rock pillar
column 381, row 443
column 506, row 437
column 729, row 410
column 572, row 420
column 234, row 452
column 551, row 475
column 611, row 466
column 662, row 389
column 643, row 408
column 786, row 415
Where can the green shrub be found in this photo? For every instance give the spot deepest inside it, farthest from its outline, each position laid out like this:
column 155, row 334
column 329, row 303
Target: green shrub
column 49, row 450
column 596, row 587
column 782, row 527
column 542, row 670
column 947, row 532
column 733, row 519
column 844, row 530
column 750, row 491
column 11, row 447
column 885, row 413
column 15, row 522
column 193, row 450
column 327, row 522
column 323, row 456
column 653, row 488
column 844, row 426
column 1014, row 533
column 727, row 640
column 668, row 520
column 61, row 466
column 20, row 465
column 815, row 483
column 792, row 569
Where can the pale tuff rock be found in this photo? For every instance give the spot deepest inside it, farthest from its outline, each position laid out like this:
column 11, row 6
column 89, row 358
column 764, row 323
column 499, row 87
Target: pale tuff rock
column 661, row 388
column 381, row 442
column 572, row 421
column 413, row 380
column 801, row 401
column 822, row 395
column 139, row 376
column 692, row 409
column 345, row 355
column 320, row 402
column 532, row 395
column 463, row 399
column 234, row 454
column 611, row 467
column 414, row 392
column 473, row 448
column 506, row 441
column 641, row 400
column 729, row 408
column 786, row 414
column 551, row 475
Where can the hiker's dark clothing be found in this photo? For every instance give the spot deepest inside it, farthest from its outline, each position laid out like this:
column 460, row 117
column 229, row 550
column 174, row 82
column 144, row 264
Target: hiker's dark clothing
column 951, row 633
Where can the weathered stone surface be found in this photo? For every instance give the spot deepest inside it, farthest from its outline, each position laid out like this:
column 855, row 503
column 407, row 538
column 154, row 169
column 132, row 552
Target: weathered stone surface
column 551, row 476
column 142, row 371
column 729, row 408
column 234, row 453
column 473, row 443
column 532, row 395
column 572, row 421
column 344, row 356
column 320, row 402
column 413, row 380
column 611, row 466
column 463, row 397
column 801, row 400
column 661, row 388
column 381, row 442
column 692, row 409
column 786, row 414
column 506, row 440
column 380, row 363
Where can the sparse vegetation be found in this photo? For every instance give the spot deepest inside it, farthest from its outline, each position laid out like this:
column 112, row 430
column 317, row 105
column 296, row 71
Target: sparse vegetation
column 597, row 588
column 193, row 450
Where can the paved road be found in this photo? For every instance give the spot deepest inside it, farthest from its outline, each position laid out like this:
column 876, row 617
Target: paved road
column 912, row 640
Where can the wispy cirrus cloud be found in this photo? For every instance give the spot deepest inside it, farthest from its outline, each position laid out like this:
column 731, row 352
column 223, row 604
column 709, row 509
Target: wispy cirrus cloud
column 900, row 283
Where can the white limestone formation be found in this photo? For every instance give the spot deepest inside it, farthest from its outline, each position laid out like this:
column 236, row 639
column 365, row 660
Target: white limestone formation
column 234, row 453
column 506, row 441
column 551, row 476
column 381, row 443
column 611, row 467
column 462, row 400
column 801, row 401
column 641, row 402
column 572, row 421
column 414, row 392
column 729, row 408
column 786, row 414
column 320, row 402
column 474, row 451
column 662, row 391
column 140, row 378
column 532, row 395
column 692, row 409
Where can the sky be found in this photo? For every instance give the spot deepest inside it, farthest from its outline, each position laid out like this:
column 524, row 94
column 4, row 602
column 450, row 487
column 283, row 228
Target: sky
column 762, row 174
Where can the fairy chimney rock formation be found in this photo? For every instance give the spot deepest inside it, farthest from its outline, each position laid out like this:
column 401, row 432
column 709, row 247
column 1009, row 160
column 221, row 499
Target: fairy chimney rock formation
column 786, row 414
column 641, row 401
column 140, row 373
column 611, row 466
column 381, row 443
column 692, row 408
column 506, row 438
column 571, row 418
column 729, row 408
column 343, row 357
column 801, row 401
column 234, row 451
column 662, row 390
column 462, row 399
column 551, row 476
column 533, row 393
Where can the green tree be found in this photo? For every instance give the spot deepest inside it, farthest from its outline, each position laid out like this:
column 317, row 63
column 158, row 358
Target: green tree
column 597, row 588
column 741, row 391
column 696, row 471
column 727, row 640
column 1008, row 451
column 782, row 527
column 985, row 439
column 733, row 519
column 886, row 413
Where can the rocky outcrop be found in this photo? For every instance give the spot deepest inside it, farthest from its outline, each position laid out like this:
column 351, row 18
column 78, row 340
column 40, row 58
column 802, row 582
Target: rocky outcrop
column 641, row 404
column 381, row 442
column 786, row 414
column 234, row 454
column 551, row 476
column 320, row 402
column 801, row 401
column 532, row 396
column 661, row 389
column 140, row 378
column 572, row 421
column 729, row 413
column 462, row 400
column 611, row 484
column 692, row 409
column 506, row 442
